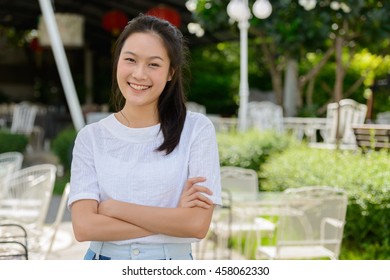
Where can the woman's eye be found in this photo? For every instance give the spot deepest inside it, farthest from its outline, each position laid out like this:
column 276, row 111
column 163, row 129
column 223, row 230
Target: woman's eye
column 154, row 65
column 130, row 59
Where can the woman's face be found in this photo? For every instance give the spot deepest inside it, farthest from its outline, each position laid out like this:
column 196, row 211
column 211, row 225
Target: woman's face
column 143, row 69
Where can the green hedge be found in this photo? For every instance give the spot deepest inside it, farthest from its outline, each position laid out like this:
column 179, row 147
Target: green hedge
column 250, row 149
column 62, row 146
column 365, row 177
column 10, row 142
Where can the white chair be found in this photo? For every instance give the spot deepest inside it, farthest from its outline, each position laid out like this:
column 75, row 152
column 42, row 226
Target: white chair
column 23, row 122
column 50, row 237
column 351, row 113
column 195, row 107
column 310, row 225
column 13, row 242
column 23, row 118
column 9, row 163
column 265, row 115
column 15, row 158
column 27, row 195
column 237, row 184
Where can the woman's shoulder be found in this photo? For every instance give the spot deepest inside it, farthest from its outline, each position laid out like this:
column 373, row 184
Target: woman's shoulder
column 94, row 128
column 198, row 122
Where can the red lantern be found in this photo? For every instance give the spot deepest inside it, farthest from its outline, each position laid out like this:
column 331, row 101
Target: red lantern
column 166, row 13
column 114, row 21
column 35, row 46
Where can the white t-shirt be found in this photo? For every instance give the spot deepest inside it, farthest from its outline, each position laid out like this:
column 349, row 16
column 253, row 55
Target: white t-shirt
column 112, row 161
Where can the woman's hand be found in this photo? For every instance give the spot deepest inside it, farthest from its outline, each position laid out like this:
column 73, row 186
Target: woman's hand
column 192, row 194
column 108, row 207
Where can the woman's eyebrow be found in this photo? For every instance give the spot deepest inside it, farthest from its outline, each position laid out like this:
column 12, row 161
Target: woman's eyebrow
column 151, row 57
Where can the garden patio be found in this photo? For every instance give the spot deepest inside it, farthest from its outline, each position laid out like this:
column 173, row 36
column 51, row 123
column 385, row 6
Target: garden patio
column 330, row 51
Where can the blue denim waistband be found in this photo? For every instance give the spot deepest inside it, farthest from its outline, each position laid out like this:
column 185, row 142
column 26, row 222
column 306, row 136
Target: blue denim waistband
column 139, row 251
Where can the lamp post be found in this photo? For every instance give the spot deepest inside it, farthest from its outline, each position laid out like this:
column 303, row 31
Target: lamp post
column 239, row 11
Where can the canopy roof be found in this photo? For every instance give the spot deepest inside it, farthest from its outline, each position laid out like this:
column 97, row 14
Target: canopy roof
column 24, row 14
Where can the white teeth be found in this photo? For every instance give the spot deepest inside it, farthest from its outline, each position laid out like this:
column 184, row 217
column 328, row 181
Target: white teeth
column 138, row 87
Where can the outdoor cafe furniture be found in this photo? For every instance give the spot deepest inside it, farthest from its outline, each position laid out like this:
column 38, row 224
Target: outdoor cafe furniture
column 265, row 115
column 26, row 199
column 235, row 217
column 340, row 117
column 13, row 242
column 9, row 163
column 372, row 136
column 314, row 230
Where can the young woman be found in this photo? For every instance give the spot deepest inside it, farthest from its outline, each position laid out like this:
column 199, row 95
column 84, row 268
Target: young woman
column 144, row 180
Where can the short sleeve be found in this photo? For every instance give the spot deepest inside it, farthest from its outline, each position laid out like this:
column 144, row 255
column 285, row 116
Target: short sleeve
column 83, row 179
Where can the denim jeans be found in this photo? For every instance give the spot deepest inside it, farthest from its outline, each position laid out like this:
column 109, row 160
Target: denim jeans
column 138, row 251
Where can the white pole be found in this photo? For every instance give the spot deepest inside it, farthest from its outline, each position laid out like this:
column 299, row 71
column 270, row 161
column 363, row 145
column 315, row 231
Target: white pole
column 62, row 64
column 244, row 85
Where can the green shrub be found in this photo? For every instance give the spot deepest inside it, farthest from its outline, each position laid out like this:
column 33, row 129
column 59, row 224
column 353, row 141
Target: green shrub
column 62, row 146
column 250, row 149
column 366, row 179
column 10, row 142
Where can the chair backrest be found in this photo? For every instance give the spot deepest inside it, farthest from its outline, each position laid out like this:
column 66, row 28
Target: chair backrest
column 195, row 107
column 239, row 181
column 23, row 118
column 28, row 194
column 351, row 112
column 265, row 115
column 16, row 158
column 312, row 216
column 9, row 163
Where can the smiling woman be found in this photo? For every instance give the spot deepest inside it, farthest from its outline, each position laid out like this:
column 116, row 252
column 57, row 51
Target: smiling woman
column 144, row 180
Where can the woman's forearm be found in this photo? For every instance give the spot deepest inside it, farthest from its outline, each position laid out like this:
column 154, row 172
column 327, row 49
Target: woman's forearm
column 179, row 222
column 88, row 225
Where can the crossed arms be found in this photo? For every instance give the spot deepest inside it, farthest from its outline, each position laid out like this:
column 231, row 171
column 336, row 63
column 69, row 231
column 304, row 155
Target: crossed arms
column 113, row 220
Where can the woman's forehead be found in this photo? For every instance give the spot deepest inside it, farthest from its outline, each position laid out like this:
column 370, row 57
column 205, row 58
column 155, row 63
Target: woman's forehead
column 146, row 44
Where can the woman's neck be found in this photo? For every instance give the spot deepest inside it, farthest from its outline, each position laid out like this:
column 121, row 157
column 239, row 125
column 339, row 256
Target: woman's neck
column 138, row 118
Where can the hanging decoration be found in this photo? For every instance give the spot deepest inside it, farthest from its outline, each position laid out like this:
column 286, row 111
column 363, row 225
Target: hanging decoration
column 167, row 13
column 70, row 27
column 35, row 45
column 114, row 21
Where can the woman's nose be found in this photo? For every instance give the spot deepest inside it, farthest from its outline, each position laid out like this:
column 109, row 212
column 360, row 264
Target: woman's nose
column 139, row 72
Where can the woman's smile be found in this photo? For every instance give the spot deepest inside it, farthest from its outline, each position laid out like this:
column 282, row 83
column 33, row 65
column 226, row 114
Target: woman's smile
column 138, row 87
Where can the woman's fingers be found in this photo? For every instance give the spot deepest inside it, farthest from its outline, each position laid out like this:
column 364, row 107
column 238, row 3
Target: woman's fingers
column 194, row 195
column 198, row 199
column 197, row 188
column 198, row 203
column 192, row 181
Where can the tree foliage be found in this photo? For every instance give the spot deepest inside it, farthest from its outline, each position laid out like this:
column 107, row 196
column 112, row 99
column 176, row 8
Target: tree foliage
column 337, row 30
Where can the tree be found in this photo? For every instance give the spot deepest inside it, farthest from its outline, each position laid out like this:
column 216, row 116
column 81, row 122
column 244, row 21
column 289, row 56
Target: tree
column 331, row 28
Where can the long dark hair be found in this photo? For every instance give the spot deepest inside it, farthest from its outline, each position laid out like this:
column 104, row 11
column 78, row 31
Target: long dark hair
column 171, row 103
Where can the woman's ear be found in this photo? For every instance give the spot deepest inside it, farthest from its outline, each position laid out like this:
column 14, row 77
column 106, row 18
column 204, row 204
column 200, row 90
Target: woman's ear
column 170, row 75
